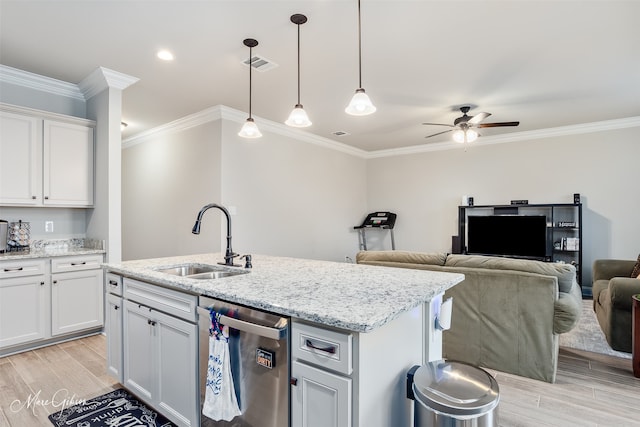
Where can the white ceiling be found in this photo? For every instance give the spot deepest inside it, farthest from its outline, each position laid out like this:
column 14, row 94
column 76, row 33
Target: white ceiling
column 544, row 63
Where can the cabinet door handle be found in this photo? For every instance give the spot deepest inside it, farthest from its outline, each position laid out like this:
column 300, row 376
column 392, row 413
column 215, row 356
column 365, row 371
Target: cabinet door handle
column 55, row 282
column 293, row 381
column 13, row 269
column 151, row 322
column 115, row 307
column 46, row 197
column 331, row 349
column 41, row 283
column 33, row 197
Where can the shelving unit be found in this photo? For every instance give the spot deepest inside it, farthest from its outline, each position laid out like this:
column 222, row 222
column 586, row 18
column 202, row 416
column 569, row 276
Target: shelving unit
column 564, row 228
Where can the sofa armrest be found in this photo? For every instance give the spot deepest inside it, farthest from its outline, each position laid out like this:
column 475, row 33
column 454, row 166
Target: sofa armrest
column 605, row 269
column 620, row 291
column 568, row 309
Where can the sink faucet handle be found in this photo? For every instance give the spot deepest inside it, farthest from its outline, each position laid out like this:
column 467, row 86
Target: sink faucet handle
column 247, row 263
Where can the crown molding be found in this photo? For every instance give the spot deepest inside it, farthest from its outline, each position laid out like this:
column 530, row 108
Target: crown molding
column 578, row 129
column 100, row 79
column 103, row 78
column 223, row 112
column 37, row 82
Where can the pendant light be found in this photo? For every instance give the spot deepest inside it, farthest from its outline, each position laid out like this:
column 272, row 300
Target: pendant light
column 360, row 104
column 298, row 117
column 250, row 129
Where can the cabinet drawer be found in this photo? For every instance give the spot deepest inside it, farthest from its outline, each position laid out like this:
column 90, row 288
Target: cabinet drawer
column 323, row 347
column 75, row 263
column 176, row 303
column 22, row 268
column 114, row 284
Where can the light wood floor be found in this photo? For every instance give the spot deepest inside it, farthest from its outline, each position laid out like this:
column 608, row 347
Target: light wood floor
column 591, row 389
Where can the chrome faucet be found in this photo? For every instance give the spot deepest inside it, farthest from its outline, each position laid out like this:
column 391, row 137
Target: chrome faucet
column 228, row 255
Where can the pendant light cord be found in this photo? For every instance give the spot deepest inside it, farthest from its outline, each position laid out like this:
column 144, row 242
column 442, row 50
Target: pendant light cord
column 359, row 48
column 250, row 61
column 298, row 64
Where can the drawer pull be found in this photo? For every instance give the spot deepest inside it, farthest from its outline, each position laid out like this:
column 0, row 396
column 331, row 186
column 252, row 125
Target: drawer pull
column 331, row 349
column 73, row 264
column 113, row 283
column 13, row 269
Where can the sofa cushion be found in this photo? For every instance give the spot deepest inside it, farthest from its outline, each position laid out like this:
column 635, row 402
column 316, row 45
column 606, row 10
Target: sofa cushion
column 400, row 257
column 566, row 273
column 636, row 268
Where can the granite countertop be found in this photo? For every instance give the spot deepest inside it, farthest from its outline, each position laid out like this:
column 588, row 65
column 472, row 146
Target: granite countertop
column 57, row 248
column 355, row 297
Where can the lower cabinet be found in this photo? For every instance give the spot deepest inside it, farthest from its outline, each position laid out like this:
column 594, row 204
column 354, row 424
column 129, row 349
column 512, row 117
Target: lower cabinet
column 160, row 355
column 347, row 379
column 23, row 310
column 44, row 300
column 113, row 330
column 76, row 301
column 320, row 398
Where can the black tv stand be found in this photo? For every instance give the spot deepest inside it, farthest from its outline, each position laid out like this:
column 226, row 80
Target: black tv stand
column 564, row 228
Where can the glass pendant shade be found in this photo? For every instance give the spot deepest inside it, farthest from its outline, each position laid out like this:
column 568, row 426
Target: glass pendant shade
column 250, row 129
column 298, row 118
column 360, row 104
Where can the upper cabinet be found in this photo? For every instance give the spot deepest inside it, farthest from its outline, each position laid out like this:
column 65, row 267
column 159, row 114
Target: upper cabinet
column 45, row 160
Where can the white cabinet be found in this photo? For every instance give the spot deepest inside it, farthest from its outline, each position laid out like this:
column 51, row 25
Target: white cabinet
column 76, row 294
column 342, row 378
column 320, row 398
column 160, row 351
column 113, row 325
column 44, row 300
column 67, row 164
column 23, row 302
column 20, row 160
column 45, row 159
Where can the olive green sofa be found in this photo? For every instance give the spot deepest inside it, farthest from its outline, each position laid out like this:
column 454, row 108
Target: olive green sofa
column 613, row 287
column 507, row 313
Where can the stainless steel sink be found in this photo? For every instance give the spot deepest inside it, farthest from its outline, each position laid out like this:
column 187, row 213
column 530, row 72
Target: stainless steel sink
column 200, row 271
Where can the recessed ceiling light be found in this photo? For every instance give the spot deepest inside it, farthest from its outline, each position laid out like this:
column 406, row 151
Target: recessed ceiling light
column 165, row 55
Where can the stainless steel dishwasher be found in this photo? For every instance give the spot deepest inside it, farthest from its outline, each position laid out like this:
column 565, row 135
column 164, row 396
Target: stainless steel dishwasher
column 260, row 365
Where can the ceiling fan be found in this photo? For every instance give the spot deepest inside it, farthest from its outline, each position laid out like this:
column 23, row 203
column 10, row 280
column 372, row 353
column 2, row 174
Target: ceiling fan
column 462, row 127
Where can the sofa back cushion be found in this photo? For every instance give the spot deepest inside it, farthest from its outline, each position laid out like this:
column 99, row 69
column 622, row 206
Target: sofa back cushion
column 400, row 257
column 566, row 273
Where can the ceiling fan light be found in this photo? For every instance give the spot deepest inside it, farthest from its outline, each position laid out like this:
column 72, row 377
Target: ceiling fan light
column 250, row 129
column 360, row 104
column 298, row 118
column 472, row 135
column 458, row 136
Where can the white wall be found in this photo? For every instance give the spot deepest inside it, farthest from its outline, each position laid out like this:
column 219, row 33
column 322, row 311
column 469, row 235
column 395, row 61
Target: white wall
column 165, row 182
column 293, row 198
column 425, row 189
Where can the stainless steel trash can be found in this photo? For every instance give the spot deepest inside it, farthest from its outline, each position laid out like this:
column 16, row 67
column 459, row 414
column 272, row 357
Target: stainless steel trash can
column 449, row 393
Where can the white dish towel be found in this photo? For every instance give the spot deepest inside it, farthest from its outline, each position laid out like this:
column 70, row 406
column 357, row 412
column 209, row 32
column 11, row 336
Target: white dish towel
column 220, row 402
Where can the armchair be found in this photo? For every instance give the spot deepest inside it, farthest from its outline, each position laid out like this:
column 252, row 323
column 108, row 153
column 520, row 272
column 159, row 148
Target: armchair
column 613, row 287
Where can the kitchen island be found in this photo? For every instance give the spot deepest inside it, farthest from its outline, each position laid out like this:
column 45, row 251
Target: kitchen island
column 384, row 314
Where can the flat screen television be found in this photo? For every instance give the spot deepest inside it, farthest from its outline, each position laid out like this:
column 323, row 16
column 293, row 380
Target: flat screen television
column 520, row 236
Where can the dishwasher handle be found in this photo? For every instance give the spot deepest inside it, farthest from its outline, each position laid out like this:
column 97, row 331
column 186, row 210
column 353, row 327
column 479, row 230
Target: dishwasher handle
column 278, row 332
column 275, row 333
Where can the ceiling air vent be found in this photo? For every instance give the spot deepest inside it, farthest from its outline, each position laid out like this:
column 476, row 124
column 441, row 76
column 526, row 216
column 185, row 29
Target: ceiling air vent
column 339, row 133
column 260, row 63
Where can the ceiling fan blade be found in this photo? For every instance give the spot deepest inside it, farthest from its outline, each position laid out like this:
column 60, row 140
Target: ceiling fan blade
column 438, row 124
column 497, row 125
column 439, row 133
column 478, row 118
